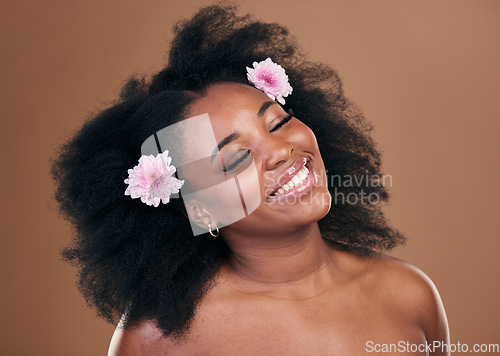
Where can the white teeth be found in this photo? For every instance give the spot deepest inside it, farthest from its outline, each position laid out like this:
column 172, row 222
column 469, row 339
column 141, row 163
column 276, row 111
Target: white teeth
column 303, row 173
column 297, row 180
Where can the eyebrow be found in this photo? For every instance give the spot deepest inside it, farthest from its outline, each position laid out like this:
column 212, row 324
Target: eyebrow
column 235, row 135
column 264, row 107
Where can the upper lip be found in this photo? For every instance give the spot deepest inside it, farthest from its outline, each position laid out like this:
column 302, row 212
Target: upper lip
column 290, row 172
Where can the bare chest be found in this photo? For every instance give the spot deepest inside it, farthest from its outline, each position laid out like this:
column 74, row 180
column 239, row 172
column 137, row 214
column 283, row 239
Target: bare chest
column 315, row 327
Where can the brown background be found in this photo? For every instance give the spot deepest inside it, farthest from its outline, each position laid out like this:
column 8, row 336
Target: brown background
column 425, row 73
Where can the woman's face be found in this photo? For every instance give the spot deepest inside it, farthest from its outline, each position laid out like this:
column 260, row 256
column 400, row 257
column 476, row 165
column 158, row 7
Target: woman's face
column 286, row 180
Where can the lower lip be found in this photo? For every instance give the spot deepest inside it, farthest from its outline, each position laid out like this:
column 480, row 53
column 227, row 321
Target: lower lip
column 299, row 191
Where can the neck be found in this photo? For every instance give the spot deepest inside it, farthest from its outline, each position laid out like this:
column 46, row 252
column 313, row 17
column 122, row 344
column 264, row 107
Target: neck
column 297, row 264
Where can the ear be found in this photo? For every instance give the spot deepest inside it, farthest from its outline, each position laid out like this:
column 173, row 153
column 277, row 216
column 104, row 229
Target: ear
column 199, row 215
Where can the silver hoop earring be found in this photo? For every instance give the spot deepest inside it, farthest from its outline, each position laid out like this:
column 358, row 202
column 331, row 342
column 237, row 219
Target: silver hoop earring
column 210, row 231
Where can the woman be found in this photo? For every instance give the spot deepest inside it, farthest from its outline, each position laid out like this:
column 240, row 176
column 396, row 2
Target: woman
column 275, row 266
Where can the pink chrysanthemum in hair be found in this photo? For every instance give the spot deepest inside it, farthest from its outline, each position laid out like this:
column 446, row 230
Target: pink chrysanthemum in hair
column 152, row 180
column 271, row 79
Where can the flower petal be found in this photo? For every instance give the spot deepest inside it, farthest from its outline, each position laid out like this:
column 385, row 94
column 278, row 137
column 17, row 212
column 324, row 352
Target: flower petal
column 270, row 78
column 152, row 180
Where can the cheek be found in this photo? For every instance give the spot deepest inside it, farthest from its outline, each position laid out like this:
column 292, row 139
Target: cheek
column 304, row 138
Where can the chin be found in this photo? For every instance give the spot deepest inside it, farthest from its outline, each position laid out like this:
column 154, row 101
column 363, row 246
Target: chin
column 283, row 218
column 309, row 209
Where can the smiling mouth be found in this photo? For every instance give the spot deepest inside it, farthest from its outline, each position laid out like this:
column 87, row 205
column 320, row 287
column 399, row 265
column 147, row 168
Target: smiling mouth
column 298, row 183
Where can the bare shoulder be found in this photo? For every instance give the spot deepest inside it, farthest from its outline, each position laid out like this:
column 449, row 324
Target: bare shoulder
column 409, row 291
column 143, row 338
column 403, row 279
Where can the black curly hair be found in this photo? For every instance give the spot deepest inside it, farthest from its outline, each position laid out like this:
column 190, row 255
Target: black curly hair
column 144, row 262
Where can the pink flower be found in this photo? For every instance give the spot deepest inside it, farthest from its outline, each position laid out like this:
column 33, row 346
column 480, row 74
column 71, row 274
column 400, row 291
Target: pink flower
column 152, row 180
column 271, row 79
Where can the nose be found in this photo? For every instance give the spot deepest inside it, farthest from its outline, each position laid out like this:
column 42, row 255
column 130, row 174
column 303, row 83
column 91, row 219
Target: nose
column 277, row 151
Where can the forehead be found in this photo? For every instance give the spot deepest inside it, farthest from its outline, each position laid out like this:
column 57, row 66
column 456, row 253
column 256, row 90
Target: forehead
column 228, row 101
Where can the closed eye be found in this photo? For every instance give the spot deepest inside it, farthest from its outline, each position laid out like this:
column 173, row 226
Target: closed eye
column 233, row 164
column 284, row 121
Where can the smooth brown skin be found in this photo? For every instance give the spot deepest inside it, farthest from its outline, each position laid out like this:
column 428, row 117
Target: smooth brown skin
column 285, row 290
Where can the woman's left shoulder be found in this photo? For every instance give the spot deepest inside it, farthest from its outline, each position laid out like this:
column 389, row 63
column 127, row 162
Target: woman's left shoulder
column 402, row 279
column 409, row 291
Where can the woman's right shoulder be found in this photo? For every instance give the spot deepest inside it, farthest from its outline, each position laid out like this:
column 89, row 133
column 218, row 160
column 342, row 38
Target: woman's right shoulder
column 143, row 338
